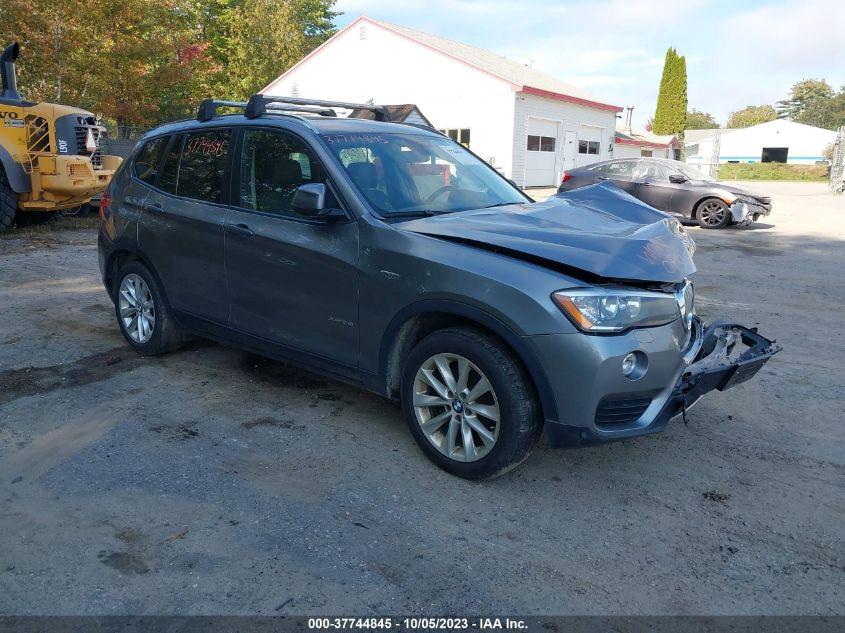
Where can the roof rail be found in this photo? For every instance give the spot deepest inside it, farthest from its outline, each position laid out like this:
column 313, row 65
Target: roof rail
column 259, row 104
column 208, row 108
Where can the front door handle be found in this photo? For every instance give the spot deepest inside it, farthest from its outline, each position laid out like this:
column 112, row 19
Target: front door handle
column 240, row 229
column 153, row 207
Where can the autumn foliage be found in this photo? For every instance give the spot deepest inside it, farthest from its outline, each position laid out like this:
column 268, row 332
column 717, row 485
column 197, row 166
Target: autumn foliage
column 147, row 61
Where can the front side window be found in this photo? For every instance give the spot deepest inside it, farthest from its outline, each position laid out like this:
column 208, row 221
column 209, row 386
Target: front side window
column 651, row 170
column 408, row 174
column 203, row 165
column 149, row 159
column 273, row 166
column 589, row 147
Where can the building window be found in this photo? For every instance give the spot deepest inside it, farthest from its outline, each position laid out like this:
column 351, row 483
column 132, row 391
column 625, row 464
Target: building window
column 459, row 135
column 646, row 152
column 589, row 147
column 540, row 143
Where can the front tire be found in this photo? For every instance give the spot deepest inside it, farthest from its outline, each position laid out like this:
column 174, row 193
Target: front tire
column 469, row 403
column 712, row 213
column 142, row 313
column 8, row 203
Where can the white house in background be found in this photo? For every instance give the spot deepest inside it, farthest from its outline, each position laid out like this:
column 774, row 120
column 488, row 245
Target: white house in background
column 529, row 125
column 778, row 141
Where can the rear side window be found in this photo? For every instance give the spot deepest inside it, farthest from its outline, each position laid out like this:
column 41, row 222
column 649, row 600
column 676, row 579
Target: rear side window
column 203, row 165
column 149, row 159
column 621, row 169
column 170, row 168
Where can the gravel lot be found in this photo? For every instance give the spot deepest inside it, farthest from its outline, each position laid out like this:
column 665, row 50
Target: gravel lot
column 211, row 481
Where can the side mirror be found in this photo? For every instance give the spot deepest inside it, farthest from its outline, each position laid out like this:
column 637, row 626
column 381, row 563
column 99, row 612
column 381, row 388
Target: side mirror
column 677, row 178
column 310, row 200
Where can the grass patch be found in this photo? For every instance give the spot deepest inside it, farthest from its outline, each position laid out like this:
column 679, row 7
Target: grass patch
column 772, row 171
column 50, row 225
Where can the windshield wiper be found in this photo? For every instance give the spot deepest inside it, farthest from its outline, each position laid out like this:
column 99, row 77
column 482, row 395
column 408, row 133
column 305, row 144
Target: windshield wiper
column 409, row 214
column 500, row 204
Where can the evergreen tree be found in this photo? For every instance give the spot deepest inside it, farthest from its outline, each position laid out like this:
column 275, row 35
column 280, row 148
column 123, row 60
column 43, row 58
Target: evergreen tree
column 671, row 114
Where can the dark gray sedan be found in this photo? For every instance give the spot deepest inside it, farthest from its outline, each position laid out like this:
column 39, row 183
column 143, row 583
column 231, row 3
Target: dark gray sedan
column 676, row 188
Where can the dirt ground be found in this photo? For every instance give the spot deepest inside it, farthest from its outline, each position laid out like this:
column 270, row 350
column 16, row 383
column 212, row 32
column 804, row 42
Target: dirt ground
column 211, row 481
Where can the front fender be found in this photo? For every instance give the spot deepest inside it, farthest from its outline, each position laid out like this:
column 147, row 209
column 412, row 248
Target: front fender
column 487, row 320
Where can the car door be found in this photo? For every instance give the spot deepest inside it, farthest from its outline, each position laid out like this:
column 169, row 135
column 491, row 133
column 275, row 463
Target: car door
column 181, row 226
column 651, row 184
column 292, row 280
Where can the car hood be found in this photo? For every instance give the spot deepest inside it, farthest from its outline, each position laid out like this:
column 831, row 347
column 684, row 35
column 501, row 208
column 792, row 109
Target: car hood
column 598, row 229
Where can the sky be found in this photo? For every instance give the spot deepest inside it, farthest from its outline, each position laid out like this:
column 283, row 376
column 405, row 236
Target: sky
column 739, row 53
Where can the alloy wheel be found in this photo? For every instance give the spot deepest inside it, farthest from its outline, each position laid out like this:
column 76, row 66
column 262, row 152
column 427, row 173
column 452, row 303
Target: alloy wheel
column 456, row 407
column 137, row 308
column 712, row 213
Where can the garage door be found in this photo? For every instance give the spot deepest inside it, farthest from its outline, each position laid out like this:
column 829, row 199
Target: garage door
column 540, row 153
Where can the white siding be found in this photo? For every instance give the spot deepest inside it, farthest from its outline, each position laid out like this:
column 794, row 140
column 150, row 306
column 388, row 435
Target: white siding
column 806, row 143
column 631, row 151
column 626, row 151
column 569, row 116
column 388, row 68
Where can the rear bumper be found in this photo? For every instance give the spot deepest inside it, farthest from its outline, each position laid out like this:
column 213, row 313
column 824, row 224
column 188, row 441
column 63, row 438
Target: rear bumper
column 721, row 356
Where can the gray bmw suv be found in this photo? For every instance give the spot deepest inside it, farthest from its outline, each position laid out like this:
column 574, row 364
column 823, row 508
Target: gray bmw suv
column 391, row 257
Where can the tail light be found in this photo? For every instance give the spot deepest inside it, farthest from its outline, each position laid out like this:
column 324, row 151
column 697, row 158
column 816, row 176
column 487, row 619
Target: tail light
column 105, row 201
column 566, row 177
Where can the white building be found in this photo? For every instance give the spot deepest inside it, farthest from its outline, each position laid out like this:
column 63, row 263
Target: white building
column 635, row 144
column 529, row 125
column 778, row 141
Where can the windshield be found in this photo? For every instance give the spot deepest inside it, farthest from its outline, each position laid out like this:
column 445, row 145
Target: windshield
column 691, row 172
column 409, row 174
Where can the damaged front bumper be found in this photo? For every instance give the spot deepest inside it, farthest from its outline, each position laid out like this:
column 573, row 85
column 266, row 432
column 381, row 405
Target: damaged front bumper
column 744, row 212
column 729, row 355
column 720, row 356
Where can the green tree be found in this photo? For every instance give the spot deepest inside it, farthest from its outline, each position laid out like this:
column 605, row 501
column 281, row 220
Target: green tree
column 671, row 114
column 752, row 115
column 697, row 120
column 148, row 61
column 253, row 42
column 814, row 102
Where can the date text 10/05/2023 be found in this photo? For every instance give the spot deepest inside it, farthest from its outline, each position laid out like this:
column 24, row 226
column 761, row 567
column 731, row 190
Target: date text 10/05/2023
column 419, row 623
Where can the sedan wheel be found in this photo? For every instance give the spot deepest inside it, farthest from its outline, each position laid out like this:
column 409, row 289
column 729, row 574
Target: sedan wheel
column 713, row 214
column 136, row 308
column 456, row 407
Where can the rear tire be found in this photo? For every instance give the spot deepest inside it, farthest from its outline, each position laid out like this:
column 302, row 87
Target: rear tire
column 142, row 313
column 455, row 424
column 8, row 203
column 712, row 213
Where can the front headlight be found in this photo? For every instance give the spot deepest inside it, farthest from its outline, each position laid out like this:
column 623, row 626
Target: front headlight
column 608, row 310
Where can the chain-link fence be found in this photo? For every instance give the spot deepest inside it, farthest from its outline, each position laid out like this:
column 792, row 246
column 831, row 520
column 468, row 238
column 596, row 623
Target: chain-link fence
column 122, row 138
column 837, row 165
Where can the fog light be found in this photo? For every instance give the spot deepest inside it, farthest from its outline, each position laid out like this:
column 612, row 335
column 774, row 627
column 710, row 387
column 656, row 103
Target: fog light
column 634, row 365
column 629, row 364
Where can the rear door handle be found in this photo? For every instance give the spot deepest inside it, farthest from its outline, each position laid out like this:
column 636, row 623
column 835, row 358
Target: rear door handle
column 603, row 178
column 153, row 207
column 240, row 229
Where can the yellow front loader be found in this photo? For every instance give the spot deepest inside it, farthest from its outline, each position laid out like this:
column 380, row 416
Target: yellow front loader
column 50, row 157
